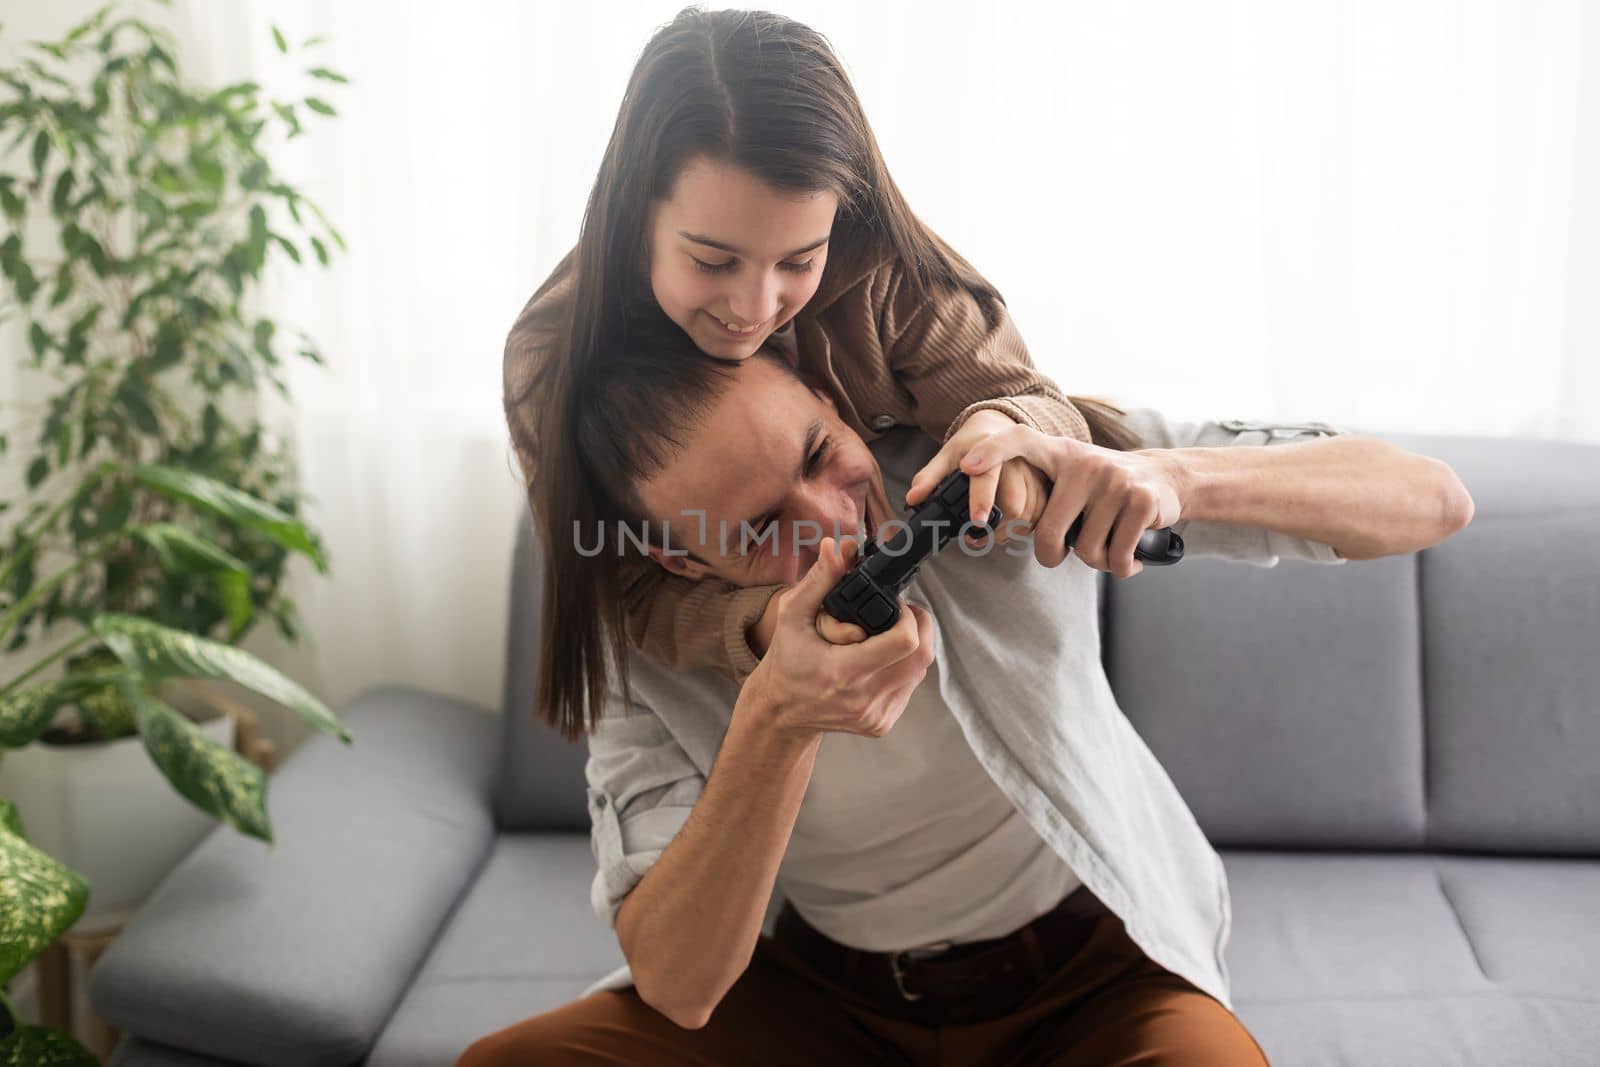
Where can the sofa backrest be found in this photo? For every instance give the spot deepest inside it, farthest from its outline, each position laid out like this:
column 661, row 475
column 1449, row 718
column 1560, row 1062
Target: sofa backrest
column 541, row 783
column 1444, row 699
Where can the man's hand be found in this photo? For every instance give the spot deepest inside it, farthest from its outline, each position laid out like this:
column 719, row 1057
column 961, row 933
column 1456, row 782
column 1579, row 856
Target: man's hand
column 833, row 631
column 809, row 685
column 1016, row 486
column 1126, row 493
column 829, row 628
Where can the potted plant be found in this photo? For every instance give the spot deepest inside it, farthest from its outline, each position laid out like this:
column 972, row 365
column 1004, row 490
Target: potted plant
column 159, row 514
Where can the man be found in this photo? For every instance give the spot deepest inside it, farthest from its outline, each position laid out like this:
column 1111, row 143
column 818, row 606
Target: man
column 983, row 862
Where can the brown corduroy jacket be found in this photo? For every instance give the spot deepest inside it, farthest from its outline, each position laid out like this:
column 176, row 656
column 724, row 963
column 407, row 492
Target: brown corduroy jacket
column 889, row 359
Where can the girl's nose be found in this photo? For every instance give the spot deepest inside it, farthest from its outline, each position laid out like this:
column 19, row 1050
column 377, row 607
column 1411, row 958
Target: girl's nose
column 754, row 303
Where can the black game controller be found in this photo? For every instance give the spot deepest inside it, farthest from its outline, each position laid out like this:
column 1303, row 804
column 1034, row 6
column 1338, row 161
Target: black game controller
column 1159, row 548
column 869, row 593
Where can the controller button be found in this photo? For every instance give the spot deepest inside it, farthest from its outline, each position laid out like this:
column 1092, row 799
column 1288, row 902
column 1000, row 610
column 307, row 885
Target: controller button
column 876, row 612
column 852, row 587
column 954, row 495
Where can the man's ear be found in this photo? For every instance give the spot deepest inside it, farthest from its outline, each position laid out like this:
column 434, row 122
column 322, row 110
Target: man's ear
column 679, row 564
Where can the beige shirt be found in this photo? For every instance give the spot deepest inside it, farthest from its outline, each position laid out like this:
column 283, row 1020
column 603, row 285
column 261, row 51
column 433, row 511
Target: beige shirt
column 905, row 840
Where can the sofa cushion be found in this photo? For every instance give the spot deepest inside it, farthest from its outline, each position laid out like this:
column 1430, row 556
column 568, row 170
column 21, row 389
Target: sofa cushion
column 1339, row 958
column 523, row 941
column 1441, row 699
column 295, row 954
column 136, row 1052
column 1284, row 701
column 1512, row 677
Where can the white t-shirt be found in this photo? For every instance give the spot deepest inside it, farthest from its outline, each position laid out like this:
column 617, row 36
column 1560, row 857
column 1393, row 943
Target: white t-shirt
column 905, row 839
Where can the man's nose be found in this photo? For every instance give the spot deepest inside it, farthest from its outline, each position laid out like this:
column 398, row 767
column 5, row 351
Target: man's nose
column 831, row 516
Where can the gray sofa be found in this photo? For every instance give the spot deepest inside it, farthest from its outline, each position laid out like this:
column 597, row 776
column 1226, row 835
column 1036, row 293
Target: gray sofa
column 1399, row 759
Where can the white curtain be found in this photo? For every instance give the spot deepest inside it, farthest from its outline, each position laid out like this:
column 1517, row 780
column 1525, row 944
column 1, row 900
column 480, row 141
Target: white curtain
column 1378, row 214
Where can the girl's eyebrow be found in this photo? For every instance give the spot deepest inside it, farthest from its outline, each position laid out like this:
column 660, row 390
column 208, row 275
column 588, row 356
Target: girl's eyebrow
column 701, row 239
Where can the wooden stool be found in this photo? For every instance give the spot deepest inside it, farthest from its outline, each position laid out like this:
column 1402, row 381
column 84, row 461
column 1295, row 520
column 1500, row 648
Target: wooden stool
column 98, row 1036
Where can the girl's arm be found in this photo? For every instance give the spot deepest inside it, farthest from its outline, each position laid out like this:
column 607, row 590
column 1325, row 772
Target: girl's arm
column 958, row 352
column 688, row 624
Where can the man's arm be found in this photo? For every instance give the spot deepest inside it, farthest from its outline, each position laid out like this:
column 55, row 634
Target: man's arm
column 689, row 911
column 689, row 928
column 687, row 861
column 1365, row 497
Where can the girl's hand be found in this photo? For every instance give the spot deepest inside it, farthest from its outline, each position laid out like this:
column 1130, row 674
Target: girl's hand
column 1016, row 486
column 1125, row 493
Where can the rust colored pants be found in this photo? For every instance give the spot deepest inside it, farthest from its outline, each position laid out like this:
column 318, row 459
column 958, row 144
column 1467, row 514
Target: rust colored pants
column 1105, row 1004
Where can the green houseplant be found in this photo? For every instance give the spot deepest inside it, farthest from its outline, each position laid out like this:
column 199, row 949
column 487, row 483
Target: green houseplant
column 157, row 521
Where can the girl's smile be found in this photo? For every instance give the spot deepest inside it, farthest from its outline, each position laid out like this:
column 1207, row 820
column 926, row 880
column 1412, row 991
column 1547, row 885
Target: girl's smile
column 732, row 258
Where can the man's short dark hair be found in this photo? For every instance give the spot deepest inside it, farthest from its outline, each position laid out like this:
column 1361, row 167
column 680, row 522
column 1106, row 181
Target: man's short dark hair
column 636, row 409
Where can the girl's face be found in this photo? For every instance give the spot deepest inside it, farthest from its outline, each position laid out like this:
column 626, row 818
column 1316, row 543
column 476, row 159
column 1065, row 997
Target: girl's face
column 733, row 259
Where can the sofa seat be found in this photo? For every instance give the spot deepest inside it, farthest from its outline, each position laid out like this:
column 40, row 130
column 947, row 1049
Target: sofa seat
column 1402, row 959
column 1336, row 959
column 1416, row 959
column 522, row 941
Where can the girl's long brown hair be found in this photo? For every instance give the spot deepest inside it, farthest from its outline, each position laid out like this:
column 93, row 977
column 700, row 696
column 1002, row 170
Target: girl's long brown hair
column 764, row 93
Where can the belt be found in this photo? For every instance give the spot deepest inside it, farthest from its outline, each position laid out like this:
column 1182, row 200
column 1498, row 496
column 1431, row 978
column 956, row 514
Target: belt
column 944, row 981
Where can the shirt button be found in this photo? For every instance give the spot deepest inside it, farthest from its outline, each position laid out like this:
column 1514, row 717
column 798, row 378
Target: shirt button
column 882, row 422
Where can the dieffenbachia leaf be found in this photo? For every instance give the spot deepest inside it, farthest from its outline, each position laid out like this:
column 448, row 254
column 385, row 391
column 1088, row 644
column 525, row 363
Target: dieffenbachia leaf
column 40, row 898
column 28, row 712
column 156, row 652
column 212, row 777
column 37, row 1046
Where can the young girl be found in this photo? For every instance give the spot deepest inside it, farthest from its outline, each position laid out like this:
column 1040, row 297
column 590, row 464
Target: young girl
column 744, row 194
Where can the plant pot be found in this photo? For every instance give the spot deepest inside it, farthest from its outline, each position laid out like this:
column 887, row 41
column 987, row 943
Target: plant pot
column 103, row 809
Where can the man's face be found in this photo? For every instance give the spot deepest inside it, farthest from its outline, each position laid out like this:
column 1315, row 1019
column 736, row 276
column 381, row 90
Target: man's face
column 732, row 259
column 770, row 453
